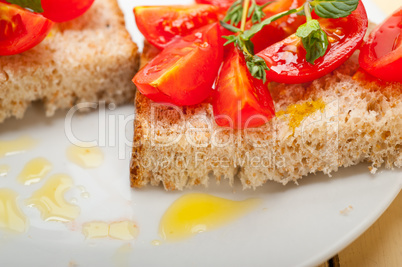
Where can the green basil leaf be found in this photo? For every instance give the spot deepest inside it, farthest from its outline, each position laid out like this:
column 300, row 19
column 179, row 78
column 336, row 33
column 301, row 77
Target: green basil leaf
column 307, row 28
column 314, row 40
column 34, row 5
column 334, row 8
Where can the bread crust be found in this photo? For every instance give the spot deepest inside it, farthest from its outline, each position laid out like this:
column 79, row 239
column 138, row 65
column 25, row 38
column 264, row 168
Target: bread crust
column 361, row 121
column 89, row 59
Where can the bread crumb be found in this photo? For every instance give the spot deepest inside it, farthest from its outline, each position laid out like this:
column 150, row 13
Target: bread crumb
column 372, row 169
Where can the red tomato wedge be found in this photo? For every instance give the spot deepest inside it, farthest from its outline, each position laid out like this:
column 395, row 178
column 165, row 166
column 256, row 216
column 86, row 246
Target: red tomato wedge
column 281, row 28
column 184, row 72
column 241, row 101
column 381, row 55
column 161, row 24
column 287, row 58
column 20, row 29
column 64, row 10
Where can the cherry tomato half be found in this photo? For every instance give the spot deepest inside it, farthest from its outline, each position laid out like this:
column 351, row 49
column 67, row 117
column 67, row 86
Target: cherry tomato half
column 381, row 55
column 161, row 24
column 281, row 28
column 287, row 58
column 240, row 101
column 184, row 72
column 64, row 10
column 20, row 29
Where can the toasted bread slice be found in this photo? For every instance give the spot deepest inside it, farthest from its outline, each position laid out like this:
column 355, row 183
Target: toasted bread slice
column 336, row 121
column 91, row 58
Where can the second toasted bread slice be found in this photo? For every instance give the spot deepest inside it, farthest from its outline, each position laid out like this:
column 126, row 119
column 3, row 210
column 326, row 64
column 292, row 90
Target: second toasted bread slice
column 89, row 59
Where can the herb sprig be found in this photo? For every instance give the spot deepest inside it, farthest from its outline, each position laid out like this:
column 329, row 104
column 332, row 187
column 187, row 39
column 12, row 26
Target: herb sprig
column 236, row 11
column 314, row 39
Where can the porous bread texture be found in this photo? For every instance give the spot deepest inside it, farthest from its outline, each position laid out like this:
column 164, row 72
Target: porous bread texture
column 89, row 59
column 361, row 121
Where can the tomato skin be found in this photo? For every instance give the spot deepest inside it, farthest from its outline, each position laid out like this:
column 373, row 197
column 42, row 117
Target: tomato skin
column 364, row 77
column 65, row 10
column 225, row 4
column 240, row 101
column 172, row 21
column 184, row 72
column 20, row 29
column 287, row 58
column 222, row 4
column 381, row 55
column 279, row 29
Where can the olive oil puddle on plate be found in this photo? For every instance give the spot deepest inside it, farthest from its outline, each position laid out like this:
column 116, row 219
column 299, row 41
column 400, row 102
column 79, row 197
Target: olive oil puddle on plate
column 195, row 213
column 50, row 201
column 11, row 217
column 4, row 170
column 86, row 157
column 34, row 171
column 16, row 146
column 123, row 230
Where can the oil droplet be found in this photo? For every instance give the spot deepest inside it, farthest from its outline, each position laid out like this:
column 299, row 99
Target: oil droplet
column 4, row 169
column 16, row 146
column 195, row 213
column 125, row 230
column 95, row 230
column 156, row 242
column 49, row 200
column 85, row 195
column 122, row 230
column 34, row 171
column 81, row 188
column 86, row 157
column 11, row 217
column 84, row 192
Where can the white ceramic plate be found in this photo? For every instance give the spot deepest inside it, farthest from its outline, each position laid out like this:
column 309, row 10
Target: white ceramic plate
column 295, row 226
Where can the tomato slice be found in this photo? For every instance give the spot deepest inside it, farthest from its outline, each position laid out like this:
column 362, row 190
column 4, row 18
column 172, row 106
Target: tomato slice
column 161, row 24
column 287, row 58
column 381, row 55
column 184, row 72
column 20, row 29
column 64, row 10
column 281, row 28
column 241, row 101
